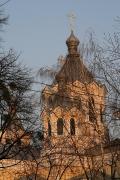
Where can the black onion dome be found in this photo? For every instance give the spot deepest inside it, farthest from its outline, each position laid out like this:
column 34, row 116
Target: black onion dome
column 72, row 44
column 72, row 39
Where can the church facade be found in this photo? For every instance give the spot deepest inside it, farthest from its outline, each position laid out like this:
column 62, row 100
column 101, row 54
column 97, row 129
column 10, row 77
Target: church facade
column 75, row 102
column 73, row 108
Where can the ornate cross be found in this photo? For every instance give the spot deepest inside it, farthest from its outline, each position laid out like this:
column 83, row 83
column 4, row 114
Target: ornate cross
column 72, row 18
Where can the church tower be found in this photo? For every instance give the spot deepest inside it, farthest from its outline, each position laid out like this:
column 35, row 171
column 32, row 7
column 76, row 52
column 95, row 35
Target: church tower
column 74, row 103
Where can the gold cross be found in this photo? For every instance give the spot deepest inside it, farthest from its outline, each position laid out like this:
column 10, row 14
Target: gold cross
column 72, row 18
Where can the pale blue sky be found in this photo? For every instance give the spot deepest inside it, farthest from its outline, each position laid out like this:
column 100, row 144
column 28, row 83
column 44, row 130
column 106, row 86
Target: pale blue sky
column 39, row 28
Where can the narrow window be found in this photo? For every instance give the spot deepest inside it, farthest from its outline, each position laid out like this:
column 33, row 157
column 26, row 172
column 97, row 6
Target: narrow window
column 19, row 142
column 5, row 118
column 91, row 106
column 101, row 114
column 8, row 141
column 60, row 126
column 49, row 128
column 72, row 126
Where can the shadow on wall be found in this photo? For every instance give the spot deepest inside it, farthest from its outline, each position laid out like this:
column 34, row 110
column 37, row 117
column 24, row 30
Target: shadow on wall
column 30, row 177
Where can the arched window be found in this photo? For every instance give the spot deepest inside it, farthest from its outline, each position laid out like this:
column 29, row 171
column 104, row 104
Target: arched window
column 60, row 126
column 91, row 106
column 72, row 126
column 19, row 142
column 49, row 128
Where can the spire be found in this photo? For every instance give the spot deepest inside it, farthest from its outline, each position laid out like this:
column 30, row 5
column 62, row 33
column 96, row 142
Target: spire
column 72, row 43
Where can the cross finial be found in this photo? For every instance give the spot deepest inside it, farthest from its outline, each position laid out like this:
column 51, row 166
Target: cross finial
column 72, row 18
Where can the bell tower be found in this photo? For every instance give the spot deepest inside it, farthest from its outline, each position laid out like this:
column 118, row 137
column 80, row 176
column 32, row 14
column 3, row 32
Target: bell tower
column 74, row 103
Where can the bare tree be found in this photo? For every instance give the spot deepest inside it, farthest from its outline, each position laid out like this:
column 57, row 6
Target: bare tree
column 16, row 104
